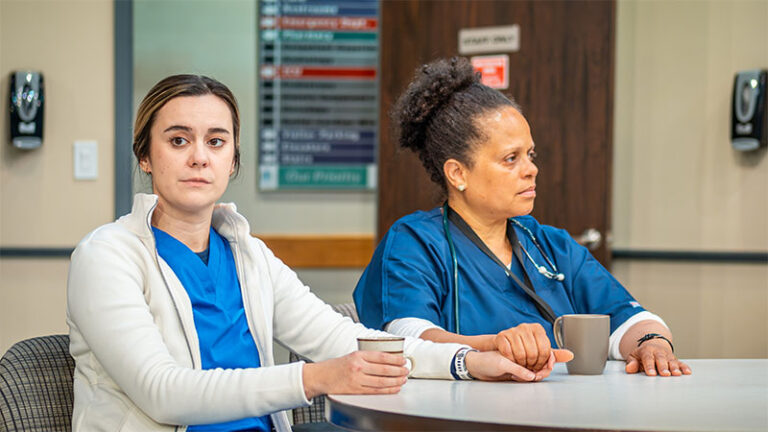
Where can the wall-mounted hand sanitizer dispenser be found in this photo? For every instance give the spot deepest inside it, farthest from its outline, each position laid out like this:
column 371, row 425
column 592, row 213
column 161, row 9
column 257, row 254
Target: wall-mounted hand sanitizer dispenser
column 749, row 120
column 26, row 109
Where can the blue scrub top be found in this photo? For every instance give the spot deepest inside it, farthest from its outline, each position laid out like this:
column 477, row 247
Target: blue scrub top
column 217, row 307
column 411, row 276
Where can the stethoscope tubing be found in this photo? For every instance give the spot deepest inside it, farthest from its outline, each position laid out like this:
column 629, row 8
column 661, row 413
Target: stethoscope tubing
column 556, row 274
column 455, row 263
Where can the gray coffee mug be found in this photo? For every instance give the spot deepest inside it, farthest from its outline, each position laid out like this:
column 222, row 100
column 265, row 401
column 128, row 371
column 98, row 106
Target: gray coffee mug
column 587, row 336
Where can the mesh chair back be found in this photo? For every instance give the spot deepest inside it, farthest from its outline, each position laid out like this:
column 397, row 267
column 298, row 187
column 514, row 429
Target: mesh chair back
column 316, row 412
column 36, row 385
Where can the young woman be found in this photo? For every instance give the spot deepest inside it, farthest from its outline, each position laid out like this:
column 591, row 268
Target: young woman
column 173, row 308
column 478, row 270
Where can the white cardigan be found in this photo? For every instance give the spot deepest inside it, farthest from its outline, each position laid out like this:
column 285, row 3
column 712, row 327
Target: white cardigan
column 133, row 336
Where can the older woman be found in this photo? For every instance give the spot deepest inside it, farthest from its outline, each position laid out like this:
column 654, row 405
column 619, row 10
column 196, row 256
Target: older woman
column 478, row 270
column 173, row 308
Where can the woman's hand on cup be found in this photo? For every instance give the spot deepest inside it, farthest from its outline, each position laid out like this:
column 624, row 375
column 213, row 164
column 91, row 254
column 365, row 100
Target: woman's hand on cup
column 360, row 372
column 493, row 366
column 526, row 345
column 655, row 357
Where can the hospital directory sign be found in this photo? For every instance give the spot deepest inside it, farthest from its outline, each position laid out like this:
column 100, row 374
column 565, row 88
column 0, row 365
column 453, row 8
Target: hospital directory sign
column 318, row 94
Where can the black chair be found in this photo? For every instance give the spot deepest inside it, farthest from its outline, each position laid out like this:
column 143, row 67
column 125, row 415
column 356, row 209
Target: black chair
column 36, row 385
column 315, row 413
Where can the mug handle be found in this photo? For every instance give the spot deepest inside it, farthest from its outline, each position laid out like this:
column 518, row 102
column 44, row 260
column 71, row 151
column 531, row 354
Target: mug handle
column 410, row 365
column 557, row 329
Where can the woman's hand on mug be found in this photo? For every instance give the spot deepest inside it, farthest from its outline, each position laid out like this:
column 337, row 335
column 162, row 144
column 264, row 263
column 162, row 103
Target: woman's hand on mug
column 493, row 366
column 655, row 357
column 526, row 345
column 360, row 372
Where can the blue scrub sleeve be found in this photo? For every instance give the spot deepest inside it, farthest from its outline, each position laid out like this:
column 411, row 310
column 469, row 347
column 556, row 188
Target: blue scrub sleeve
column 593, row 289
column 402, row 281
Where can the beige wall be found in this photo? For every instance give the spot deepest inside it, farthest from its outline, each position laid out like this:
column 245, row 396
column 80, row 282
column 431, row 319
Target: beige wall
column 678, row 185
column 678, row 182
column 32, row 299
column 714, row 310
column 41, row 205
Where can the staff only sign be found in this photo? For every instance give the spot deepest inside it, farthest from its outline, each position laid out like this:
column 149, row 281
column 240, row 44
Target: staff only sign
column 489, row 39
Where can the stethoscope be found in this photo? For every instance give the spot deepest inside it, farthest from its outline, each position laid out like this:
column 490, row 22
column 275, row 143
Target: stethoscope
column 554, row 274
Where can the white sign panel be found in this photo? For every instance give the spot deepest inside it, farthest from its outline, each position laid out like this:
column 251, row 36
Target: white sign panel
column 489, row 39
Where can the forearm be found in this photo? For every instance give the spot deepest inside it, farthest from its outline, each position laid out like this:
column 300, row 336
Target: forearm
column 479, row 342
column 629, row 341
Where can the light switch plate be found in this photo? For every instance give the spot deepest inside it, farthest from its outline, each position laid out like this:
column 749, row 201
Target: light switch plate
column 86, row 160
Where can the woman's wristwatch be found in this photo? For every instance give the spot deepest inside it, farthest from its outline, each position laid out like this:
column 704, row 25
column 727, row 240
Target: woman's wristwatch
column 650, row 336
column 459, row 366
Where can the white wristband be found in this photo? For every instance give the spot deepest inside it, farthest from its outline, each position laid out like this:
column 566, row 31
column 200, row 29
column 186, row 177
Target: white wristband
column 460, row 364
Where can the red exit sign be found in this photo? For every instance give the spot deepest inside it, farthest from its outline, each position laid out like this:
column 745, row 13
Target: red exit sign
column 494, row 70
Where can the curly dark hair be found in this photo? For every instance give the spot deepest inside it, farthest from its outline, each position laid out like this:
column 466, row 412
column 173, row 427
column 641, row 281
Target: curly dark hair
column 435, row 116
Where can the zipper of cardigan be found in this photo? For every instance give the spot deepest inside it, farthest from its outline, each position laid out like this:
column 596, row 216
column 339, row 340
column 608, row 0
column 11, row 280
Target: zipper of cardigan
column 243, row 294
column 168, row 286
column 246, row 304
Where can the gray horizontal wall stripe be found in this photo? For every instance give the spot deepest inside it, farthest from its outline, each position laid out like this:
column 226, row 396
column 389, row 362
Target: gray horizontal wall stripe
column 693, row 256
column 22, row 252
column 630, row 254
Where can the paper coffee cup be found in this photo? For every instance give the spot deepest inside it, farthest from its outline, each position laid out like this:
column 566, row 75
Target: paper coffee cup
column 393, row 345
column 387, row 344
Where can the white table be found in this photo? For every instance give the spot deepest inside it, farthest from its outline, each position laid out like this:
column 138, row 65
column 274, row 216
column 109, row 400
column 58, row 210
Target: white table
column 720, row 395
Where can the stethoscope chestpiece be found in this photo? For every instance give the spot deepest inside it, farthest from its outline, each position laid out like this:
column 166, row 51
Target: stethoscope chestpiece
column 548, row 274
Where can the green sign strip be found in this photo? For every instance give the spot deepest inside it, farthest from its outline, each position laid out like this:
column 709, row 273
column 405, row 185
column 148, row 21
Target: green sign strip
column 324, row 36
column 306, row 177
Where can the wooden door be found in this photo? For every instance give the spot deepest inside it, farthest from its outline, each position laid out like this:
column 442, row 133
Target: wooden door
column 562, row 76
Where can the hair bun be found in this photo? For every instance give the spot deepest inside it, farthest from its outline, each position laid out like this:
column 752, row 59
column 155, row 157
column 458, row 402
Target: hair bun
column 432, row 87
